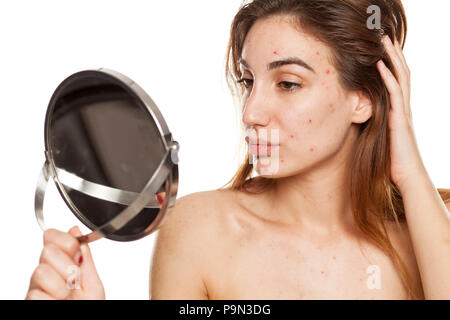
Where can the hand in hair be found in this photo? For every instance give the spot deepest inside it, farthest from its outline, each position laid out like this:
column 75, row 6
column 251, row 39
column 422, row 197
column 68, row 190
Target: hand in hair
column 406, row 162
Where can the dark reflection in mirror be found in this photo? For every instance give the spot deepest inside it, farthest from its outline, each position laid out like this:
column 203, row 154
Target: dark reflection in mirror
column 103, row 133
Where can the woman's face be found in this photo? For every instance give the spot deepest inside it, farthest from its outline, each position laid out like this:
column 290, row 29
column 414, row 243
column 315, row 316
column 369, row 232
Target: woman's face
column 303, row 105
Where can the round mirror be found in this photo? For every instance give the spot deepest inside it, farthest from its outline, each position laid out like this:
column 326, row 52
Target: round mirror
column 111, row 155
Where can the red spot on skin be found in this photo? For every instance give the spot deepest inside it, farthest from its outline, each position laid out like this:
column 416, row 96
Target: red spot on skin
column 360, row 279
column 323, row 83
column 332, row 107
column 318, row 53
column 322, row 272
column 311, row 150
column 282, row 160
column 334, row 258
column 292, row 137
column 276, row 52
column 310, row 121
column 304, row 196
column 327, row 72
column 329, row 197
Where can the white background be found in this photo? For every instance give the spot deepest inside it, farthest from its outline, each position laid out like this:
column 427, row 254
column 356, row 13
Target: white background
column 175, row 50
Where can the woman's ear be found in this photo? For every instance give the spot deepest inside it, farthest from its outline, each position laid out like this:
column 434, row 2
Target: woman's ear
column 363, row 109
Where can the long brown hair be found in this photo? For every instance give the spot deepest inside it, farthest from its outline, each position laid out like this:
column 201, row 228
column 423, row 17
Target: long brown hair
column 355, row 49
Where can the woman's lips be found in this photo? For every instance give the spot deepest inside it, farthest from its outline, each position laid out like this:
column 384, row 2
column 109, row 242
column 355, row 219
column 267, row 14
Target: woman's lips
column 261, row 149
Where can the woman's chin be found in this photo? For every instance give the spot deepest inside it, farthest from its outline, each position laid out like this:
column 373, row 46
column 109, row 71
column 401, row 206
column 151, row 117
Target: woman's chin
column 267, row 166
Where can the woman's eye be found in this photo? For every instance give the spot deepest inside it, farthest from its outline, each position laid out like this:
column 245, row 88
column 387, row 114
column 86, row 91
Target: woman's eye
column 290, row 86
column 287, row 86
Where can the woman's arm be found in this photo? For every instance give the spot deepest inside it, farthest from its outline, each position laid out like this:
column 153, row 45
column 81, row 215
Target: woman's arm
column 176, row 269
column 429, row 227
column 426, row 214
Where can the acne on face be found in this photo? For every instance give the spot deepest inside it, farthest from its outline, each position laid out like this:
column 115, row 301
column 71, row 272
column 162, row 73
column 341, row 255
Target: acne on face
column 314, row 101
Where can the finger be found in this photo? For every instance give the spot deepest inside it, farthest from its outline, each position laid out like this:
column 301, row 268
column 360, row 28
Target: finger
column 406, row 85
column 37, row 294
column 45, row 278
column 401, row 55
column 394, row 57
column 68, row 243
column 58, row 260
column 400, row 70
column 160, row 197
column 88, row 271
column 392, row 85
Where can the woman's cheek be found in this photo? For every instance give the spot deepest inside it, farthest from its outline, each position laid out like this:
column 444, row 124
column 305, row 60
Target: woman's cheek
column 313, row 132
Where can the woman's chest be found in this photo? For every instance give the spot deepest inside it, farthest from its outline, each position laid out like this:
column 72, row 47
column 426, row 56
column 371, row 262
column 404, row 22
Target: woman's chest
column 271, row 267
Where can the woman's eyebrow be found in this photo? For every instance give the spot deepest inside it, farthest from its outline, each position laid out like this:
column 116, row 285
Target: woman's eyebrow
column 279, row 63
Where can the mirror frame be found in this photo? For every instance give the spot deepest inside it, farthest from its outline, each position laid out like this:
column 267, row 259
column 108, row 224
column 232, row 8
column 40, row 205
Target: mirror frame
column 169, row 163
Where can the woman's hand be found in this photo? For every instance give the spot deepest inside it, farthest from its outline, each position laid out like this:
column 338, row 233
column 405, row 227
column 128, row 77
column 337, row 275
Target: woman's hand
column 66, row 269
column 406, row 161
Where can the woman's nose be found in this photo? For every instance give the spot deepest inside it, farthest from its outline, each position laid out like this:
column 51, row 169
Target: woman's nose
column 255, row 111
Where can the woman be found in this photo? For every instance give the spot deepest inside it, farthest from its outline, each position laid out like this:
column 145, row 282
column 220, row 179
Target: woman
column 343, row 207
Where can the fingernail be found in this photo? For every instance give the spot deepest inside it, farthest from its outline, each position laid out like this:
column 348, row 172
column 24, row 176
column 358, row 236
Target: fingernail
column 78, row 257
column 160, row 199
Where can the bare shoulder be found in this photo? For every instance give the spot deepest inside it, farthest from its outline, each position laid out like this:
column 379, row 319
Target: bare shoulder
column 195, row 211
column 187, row 232
column 193, row 220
